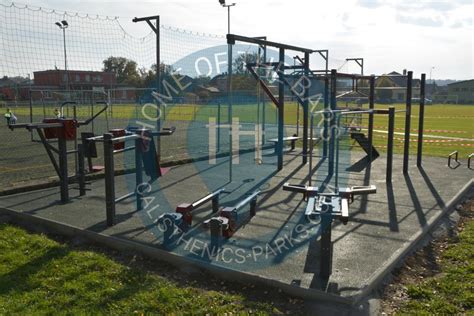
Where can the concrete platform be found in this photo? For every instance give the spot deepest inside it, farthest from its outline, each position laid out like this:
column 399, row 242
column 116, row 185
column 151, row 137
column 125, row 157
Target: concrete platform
column 278, row 246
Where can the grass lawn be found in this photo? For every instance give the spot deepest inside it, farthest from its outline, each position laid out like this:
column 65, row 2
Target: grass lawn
column 445, row 120
column 41, row 276
column 448, row 267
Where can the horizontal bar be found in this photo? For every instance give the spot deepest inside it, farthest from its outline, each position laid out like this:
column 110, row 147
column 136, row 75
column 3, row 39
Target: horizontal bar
column 123, row 197
column 124, row 138
column 207, row 198
column 246, row 201
column 118, row 151
column 72, row 151
column 343, row 112
column 153, row 17
column 351, row 76
column 232, row 38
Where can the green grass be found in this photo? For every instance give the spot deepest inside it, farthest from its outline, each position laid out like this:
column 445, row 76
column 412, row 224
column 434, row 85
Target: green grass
column 452, row 291
column 41, row 276
column 440, row 120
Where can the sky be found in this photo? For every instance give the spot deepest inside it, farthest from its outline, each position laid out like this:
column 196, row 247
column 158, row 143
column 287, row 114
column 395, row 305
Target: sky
column 423, row 36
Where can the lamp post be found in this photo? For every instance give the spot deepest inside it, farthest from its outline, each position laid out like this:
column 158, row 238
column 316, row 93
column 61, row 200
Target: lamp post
column 222, row 2
column 63, row 26
column 431, row 70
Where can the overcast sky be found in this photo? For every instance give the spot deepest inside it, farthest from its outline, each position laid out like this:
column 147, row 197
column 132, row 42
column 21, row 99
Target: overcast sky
column 389, row 35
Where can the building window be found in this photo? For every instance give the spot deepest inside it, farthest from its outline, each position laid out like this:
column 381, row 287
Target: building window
column 88, row 78
column 65, row 78
column 98, row 78
column 78, row 78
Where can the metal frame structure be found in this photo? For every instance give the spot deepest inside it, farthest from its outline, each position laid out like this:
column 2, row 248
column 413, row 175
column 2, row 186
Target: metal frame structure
column 156, row 29
column 59, row 128
column 279, row 101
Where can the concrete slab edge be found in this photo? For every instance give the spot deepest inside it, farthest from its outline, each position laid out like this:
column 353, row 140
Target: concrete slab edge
column 398, row 256
column 35, row 223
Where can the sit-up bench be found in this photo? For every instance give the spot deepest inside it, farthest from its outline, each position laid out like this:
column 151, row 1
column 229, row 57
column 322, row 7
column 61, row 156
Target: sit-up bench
column 291, row 139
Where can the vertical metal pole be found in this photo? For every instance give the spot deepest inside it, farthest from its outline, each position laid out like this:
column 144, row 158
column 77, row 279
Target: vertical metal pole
column 138, row 171
column 76, row 154
column 406, row 150
column 311, row 147
column 63, row 178
column 263, row 100
column 325, row 116
column 31, row 112
column 80, row 170
column 332, row 122
column 228, row 19
column 305, row 109
column 229, row 106
column 158, row 87
column 391, row 127
column 371, row 115
column 325, row 263
column 421, row 121
column 65, row 59
column 109, row 179
column 218, row 127
column 281, row 105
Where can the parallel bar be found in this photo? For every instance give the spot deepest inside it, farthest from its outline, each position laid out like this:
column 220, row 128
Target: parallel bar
column 206, row 199
column 421, row 120
column 391, row 127
column 123, row 197
column 406, row 149
column 118, row 151
column 232, row 38
column 247, row 200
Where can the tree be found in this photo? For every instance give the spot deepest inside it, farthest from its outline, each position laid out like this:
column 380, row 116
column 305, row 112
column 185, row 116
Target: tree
column 149, row 76
column 240, row 63
column 125, row 70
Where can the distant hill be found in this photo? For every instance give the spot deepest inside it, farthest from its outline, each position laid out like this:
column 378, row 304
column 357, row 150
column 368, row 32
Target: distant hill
column 442, row 82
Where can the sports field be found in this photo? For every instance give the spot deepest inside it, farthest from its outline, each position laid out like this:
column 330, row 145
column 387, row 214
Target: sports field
column 447, row 128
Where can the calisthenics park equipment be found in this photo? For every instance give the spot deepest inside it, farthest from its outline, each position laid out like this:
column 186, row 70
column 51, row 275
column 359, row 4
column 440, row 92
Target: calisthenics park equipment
column 63, row 129
column 223, row 223
column 146, row 159
column 335, row 205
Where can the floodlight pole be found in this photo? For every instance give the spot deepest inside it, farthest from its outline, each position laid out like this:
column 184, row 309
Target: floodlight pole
column 228, row 14
column 63, row 26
